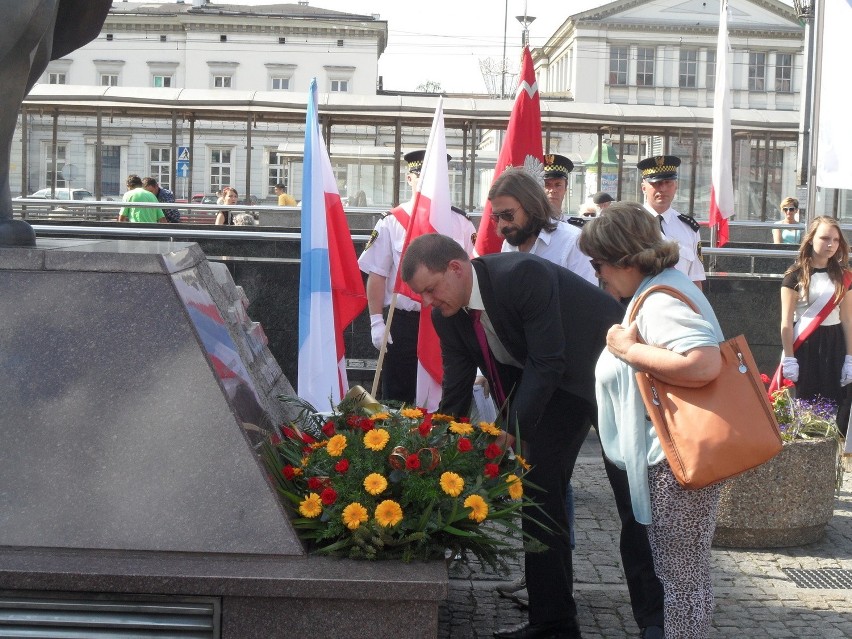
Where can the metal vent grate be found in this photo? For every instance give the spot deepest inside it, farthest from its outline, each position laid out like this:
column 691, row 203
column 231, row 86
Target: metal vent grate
column 107, row 616
column 827, row 578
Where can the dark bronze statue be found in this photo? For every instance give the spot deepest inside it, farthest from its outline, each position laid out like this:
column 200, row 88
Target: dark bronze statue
column 34, row 33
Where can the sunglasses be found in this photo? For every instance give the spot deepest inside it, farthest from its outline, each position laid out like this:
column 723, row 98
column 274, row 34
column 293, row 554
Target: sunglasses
column 507, row 216
column 789, row 208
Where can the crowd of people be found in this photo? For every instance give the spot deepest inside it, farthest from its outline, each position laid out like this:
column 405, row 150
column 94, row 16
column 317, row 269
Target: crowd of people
column 512, row 317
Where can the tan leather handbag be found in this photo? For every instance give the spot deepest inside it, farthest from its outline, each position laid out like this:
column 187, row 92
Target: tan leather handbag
column 718, row 430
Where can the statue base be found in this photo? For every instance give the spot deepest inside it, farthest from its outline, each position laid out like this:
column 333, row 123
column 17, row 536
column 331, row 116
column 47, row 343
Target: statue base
column 16, row 233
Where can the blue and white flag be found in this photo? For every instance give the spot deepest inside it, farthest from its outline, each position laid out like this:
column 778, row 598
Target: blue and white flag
column 331, row 291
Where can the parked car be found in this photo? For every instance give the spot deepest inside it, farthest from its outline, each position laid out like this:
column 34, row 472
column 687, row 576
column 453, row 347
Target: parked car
column 201, row 198
column 62, row 194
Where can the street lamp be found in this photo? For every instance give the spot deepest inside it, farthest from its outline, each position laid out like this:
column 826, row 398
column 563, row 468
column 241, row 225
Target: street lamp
column 526, row 21
column 805, row 10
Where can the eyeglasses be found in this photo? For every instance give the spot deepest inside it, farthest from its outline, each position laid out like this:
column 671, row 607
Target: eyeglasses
column 507, row 216
column 789, row 208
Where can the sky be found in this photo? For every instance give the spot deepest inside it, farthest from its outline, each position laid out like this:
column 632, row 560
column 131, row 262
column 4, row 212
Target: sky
column 443, row 40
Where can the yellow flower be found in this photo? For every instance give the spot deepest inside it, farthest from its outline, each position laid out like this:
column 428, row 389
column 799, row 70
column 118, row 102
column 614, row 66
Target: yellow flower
column 523, row 462
column 354, row 515
column 438, row 417
column 489, row 429
column 375, row 484
column 378, row 416
column 376, row 439
column 317, row 445
column 388, row 513
column 336, row 445
column 412, row 413
column 311, row 507
column 516, row 489
column 461, row 428
column 452, row 484
column 478, row 508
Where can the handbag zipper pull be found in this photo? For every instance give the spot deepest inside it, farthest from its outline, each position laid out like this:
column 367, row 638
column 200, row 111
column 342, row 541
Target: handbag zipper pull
column 742, row 367
column 656, row 399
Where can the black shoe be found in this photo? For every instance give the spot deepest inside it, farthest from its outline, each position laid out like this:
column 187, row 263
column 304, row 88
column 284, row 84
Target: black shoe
column 557, row 630
column 652, row 632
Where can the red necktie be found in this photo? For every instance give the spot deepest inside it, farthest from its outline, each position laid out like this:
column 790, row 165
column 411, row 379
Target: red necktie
column 490, row 364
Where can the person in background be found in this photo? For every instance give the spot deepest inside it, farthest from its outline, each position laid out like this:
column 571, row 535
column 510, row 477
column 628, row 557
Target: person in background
column 229, row 198
column 136, row 193
column 819, row 279
column 789, row 214
column 514, row 315
column 602, row 200
column 556, row 170
column 659, row 184
column 380, row 260
column 163, row 195
column 682, row 346
column 284, row 198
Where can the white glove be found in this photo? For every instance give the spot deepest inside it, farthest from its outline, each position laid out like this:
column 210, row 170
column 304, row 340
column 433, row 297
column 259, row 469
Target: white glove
column 377, row 330
column 790, row 368
column 846, row 373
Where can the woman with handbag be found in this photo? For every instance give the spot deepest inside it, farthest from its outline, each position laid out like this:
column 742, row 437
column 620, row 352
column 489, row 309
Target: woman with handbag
column 816, row 319
column 680, row 346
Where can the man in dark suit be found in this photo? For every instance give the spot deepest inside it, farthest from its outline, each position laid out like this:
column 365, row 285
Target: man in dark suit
column 530, row 311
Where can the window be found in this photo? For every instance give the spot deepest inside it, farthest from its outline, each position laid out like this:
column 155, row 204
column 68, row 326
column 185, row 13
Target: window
column 56, row 78
column 784, row 72
column 280, row 84
column 645, row 66
column 161, row 165
column 222, row 74
column 618, row 66
column 339, row 86
column 711, row 70
column 222, row 82
column 220, row 169
column 278, row 171
column 757, row 72
column 162, row 38
column 109, row 37
column 340, row 43
column 61, row 157
column 339, row 78
column 688, row 68
column 162, row 81
column 282, row 40
column 223, row 38
column 109, row 79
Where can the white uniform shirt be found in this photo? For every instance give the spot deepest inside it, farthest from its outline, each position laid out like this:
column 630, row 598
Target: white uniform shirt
column 560, row 247
column 382, row 256
column 688, row 243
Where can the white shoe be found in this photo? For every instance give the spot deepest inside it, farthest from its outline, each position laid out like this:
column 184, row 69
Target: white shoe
column 508, row 590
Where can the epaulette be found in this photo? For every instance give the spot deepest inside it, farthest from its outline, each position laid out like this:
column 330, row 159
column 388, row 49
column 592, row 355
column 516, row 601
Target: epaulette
column 385, row 214
column 577, row 221
column 459, row 211
column 689, row 221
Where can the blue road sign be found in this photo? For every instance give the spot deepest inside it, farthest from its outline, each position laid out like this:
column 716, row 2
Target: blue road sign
column 183, row 168
column 183, row 153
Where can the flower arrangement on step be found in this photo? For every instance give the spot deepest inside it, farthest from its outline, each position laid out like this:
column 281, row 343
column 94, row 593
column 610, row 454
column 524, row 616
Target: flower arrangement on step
column 369, row 482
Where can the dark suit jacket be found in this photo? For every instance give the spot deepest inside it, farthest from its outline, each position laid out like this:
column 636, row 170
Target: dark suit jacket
column 549, row 319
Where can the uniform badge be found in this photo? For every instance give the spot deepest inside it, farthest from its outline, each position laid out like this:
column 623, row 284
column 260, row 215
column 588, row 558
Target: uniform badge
column 373, row 236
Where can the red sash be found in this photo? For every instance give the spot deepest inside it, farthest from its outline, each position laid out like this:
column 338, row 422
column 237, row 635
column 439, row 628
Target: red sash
column 401, row 216
column 808, row 331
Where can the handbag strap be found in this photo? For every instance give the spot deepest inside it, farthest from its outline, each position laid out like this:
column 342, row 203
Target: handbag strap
column 658, row 288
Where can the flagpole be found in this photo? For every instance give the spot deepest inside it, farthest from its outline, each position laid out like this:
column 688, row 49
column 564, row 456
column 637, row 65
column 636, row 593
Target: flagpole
column 384, row 348
column 816, row 89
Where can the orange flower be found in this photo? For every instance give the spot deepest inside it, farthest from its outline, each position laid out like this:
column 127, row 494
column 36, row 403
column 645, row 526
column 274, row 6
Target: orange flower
column 489, row 428
column 376, row 439
column 354, row 515
column 478, row 508
column 336, row 445
column 411, row 413
column 388, row 513
column 311, row 506
column 375, row 484
column 516, row 489
column 451, row 483
column 460, row 428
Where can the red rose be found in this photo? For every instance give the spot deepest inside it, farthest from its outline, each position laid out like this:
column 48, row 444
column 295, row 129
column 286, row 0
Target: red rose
column 328, row 496
column 787, row 383
column 491, row 471
column 315, row 483
column 426, row 426
column 412, row 462
column 464, row 420
column 308, row 439
column 328, row 429
column 493, row 451
column 352, row 421
column 289, row 472
column 765, row 378
column 464, row 445
column 365, row 424
column 275, row 439
column 342, row 466
column 289, row 432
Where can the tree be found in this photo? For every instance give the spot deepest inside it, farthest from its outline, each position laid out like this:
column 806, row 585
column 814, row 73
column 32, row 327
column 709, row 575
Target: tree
column 430, row 86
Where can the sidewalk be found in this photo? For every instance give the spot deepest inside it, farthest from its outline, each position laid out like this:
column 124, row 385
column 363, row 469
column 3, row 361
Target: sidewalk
column 755, row 599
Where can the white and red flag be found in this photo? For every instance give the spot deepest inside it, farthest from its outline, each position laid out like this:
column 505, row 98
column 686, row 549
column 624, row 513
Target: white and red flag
column 722, row 189
column 432, row 213
column 522, row 146
column 331, row 291
column 833, row 151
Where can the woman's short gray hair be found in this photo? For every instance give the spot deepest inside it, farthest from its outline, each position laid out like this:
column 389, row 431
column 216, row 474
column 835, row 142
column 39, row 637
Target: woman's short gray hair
column 627, row 235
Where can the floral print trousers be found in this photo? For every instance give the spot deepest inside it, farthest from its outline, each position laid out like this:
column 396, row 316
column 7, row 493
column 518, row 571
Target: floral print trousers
column 681, row 531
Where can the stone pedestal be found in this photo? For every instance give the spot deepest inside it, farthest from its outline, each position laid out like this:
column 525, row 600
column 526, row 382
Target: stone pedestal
column 135, row 389
column 785, row 502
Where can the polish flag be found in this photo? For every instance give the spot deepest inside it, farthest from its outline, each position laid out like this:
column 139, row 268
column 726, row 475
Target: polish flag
column 722, row 189
column 331, row 291
column 432, row 213
column 521, row 147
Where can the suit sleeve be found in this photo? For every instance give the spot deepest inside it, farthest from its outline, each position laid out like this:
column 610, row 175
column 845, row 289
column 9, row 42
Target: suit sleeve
column 459, row 366
column 536, row 308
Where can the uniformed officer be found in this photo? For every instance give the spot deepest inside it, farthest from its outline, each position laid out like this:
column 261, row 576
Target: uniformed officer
column 380, row 260
column 659, row 184
column 556, row 170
